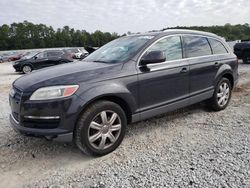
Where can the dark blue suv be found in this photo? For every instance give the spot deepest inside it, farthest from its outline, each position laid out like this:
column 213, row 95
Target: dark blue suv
column 127, row 80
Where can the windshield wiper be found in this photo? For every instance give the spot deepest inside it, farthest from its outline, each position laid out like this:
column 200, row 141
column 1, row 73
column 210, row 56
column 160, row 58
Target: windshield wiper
column 99, row 61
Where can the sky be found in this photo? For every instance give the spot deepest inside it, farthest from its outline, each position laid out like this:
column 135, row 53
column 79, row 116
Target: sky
column 122, row 16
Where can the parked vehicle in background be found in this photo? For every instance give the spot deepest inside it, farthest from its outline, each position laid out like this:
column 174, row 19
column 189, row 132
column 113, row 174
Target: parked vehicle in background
column 1, row 59
column 7, row 56
column 35, row 60
column 15, row 56
column 127, row 80
column 78, row 53
column 90, row 49
column 242, row 51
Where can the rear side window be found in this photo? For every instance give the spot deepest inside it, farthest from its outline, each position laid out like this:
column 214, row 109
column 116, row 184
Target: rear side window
column 196, row 46
column 217, row 47
column 171, row 46
column 54, row 53
column 41, row 55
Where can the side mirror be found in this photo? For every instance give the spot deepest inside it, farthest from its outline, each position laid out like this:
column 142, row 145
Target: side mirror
column 153, row 57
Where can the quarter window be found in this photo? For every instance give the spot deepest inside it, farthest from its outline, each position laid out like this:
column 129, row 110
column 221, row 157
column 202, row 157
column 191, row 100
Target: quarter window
column 171, row 46
column 196, row 46
column 54, row 53
column 217, row 47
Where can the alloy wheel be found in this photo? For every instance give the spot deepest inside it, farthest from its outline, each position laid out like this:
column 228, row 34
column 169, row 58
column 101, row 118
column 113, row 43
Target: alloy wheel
column 27, row 69
column 223, row 94
column 104, row 130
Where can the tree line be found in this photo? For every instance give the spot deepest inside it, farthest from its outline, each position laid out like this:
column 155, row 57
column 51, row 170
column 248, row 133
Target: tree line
column 27, row 35
column 228, row 31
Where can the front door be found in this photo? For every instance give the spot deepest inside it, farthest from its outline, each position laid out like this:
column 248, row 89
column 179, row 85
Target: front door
column 164, row 83
column 41, row 60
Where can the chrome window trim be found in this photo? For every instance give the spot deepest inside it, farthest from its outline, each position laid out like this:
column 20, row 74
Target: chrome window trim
column 184, row 58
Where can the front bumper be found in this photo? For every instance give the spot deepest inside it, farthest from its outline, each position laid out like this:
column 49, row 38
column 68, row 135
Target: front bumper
column 31, row 117
column 17, row 67
column 53, row 133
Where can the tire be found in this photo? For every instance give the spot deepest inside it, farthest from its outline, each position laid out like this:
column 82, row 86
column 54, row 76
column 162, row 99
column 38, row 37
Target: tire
column 223, row 89
column 26, row 69
column 92, row 136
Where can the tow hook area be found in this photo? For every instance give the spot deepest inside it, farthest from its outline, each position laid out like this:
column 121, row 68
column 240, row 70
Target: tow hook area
column 50, row 138
column 60, row 138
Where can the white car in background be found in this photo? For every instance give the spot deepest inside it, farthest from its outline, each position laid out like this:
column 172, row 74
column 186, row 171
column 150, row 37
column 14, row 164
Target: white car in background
column 78, row 53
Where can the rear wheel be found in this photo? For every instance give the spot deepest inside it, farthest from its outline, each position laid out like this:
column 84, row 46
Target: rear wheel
column 221, row 96
column 101, row 128
column 27, row 69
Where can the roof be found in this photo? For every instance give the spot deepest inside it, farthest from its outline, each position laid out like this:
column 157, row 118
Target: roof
column 179, row 31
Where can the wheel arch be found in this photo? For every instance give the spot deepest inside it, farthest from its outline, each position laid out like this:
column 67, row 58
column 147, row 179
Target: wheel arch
column 226, row 72
column 27, row 64
column 229, row 77
column 123, row 103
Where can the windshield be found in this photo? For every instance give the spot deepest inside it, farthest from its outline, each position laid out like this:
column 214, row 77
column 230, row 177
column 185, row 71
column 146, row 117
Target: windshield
column 29, row 55
column 119, row 50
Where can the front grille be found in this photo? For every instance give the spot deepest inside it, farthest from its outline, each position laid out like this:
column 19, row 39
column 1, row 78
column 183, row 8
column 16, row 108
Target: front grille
column 41, row 124
column 18, row 94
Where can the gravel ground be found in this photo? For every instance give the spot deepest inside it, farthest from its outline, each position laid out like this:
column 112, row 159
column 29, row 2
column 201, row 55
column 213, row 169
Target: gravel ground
column 191, row 147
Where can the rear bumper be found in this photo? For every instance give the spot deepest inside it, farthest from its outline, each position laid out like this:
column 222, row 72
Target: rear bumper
column 236, row 82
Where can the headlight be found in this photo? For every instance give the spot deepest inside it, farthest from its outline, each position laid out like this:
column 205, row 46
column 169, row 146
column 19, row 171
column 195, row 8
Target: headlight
column 54, row 92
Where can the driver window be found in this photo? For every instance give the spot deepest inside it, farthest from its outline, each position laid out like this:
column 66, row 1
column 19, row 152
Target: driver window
column 41, row 55
column 171, row 46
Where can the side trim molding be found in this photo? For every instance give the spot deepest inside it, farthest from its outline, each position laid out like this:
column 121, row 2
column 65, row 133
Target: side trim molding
column 173, row 106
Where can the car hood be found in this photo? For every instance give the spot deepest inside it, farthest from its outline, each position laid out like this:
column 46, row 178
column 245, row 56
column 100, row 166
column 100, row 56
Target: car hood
column 22, row 60
column 67, row 74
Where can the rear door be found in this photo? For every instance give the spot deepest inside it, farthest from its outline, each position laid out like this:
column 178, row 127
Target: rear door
column 164, row 83
column 203, row 65
column 55, row 57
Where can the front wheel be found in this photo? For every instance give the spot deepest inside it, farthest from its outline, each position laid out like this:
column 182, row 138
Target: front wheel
column 101, row 128
column 222, row 95
column 27, row 69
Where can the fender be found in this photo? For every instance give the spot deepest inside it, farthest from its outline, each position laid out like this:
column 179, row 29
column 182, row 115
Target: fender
column 224, row 69
column 114, row 89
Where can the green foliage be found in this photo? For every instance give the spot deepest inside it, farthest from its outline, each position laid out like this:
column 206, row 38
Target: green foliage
column 228, row 31
column 27, row 35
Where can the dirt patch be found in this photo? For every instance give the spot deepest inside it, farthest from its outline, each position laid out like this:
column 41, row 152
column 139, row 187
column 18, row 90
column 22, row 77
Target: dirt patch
column 244, row 87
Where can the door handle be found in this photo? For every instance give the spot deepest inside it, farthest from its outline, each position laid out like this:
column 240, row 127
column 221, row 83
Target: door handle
column 184, row 70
